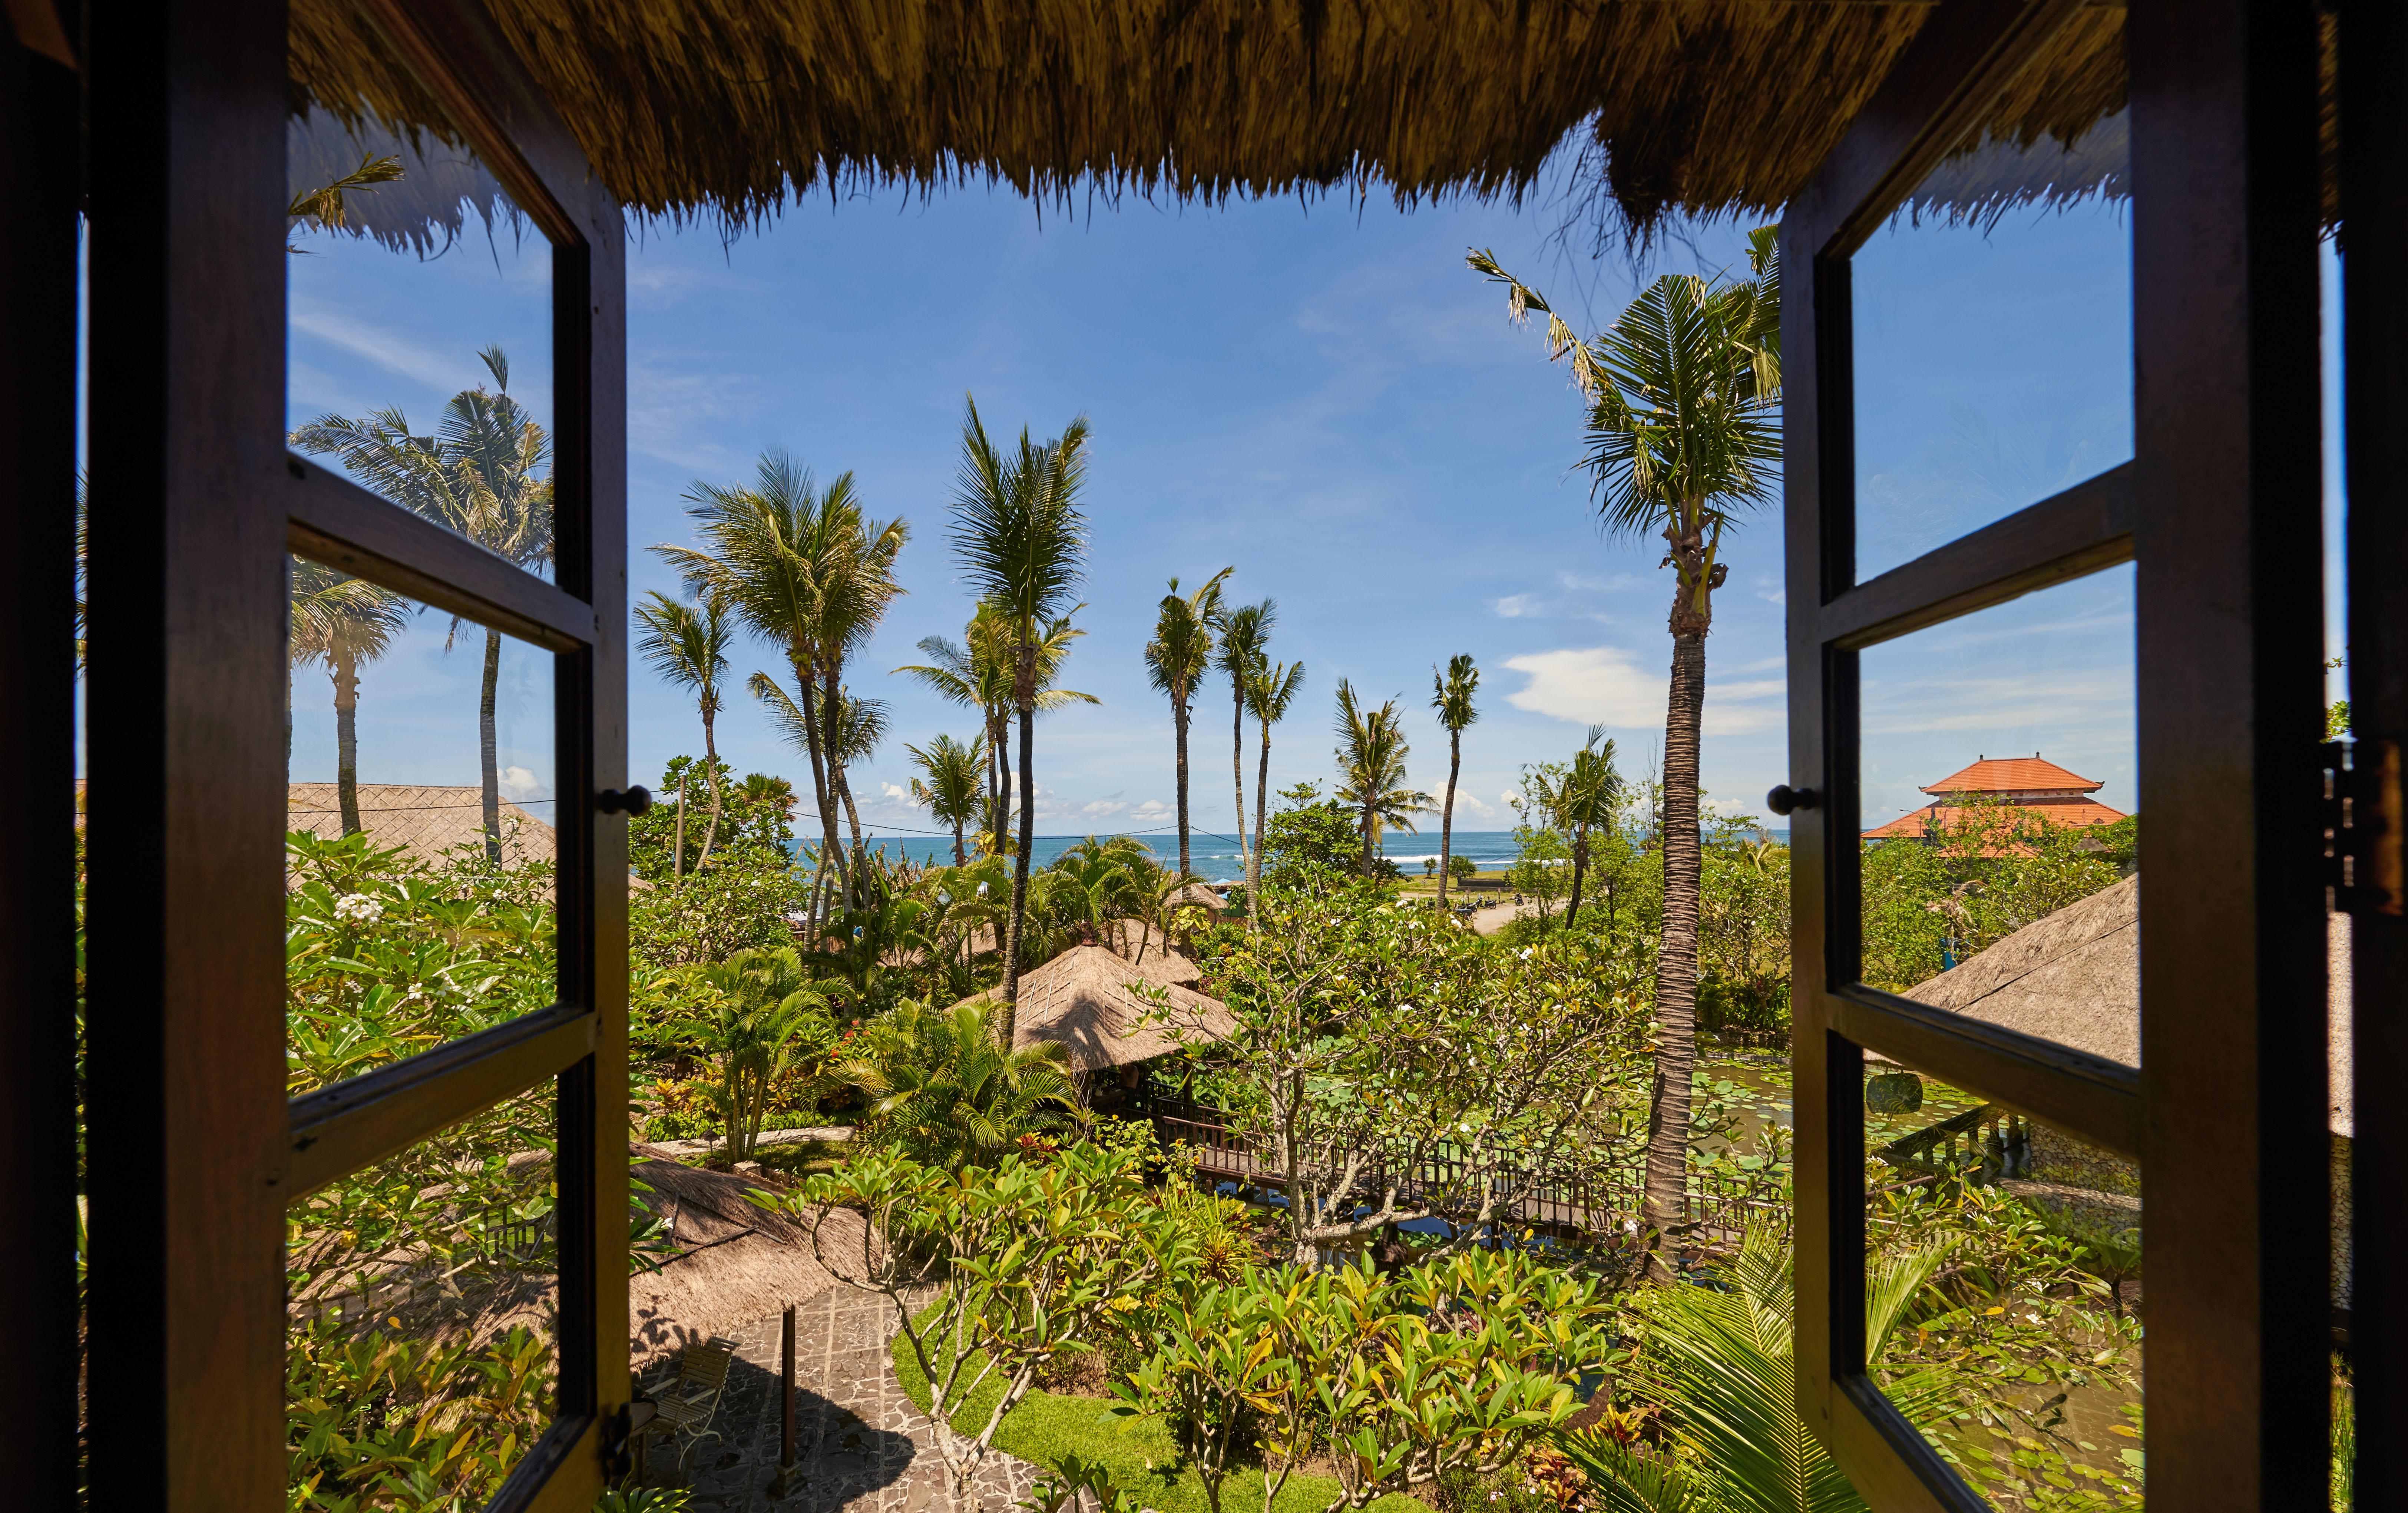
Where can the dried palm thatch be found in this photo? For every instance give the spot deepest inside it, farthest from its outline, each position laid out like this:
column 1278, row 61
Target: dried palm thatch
column 427, row 819
column 2072, row 976
column 729, row 1262
column 1103, row 1011
column 719, row 110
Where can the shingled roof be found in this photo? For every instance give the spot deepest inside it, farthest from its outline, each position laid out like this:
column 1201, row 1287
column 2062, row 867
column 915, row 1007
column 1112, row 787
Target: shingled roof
column 721, row 109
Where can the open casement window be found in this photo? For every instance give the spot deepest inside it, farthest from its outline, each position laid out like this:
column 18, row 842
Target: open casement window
column 2187, row 538
column 221, row 1201
column 2172, row 560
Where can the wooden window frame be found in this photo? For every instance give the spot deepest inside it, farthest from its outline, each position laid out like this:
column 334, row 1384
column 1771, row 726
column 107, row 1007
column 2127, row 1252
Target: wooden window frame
column 2226, row 1111
column 195, row 1153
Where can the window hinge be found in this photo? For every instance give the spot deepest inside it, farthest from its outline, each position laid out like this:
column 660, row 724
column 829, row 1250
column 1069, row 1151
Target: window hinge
column 2362, row 815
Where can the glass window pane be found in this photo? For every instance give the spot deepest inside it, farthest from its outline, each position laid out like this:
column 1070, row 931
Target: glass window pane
column 418, row 301
column 1993, row 328
column 418, row 841
column 2003, row 1292
column 2000, row 800
column 421, row 1341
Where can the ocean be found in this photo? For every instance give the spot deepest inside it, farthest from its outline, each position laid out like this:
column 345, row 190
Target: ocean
column 1215, row 856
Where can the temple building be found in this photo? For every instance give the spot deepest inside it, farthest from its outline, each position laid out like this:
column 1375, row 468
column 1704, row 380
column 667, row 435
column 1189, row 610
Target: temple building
column 2048, row 790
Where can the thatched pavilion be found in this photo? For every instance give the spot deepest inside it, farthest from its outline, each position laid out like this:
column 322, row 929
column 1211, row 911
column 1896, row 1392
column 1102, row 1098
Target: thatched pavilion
column 428, row 820
column 1105, row 1013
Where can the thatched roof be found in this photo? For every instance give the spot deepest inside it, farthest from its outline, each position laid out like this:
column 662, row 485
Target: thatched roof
column 1090, row 1000
column 1200, row 896
column 1152, row 957
column 731, row 1262
column 721, row 109
column 2074, row 977
column 428, row 820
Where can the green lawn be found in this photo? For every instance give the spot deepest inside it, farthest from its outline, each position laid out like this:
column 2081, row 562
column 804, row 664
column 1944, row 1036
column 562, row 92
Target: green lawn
column 1142, row 1456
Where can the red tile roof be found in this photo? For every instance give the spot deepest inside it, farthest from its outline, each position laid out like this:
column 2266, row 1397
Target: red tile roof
column 2068, row 812
column 2005, row 775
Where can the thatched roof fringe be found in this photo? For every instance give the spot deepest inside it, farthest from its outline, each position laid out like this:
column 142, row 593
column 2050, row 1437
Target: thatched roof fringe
column 723, row 109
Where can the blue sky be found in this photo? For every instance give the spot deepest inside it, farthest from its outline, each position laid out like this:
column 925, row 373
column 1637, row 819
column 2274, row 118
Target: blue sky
column 1326, row 399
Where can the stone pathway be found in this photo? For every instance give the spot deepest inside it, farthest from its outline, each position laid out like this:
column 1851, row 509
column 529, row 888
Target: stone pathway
column 859, row 1443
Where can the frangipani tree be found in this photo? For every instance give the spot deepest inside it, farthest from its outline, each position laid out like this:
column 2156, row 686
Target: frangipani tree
column 1683, row 425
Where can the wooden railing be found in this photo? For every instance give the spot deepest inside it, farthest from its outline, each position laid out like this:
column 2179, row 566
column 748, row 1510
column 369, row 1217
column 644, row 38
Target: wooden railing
column 1572, row 1205
column 1980, row 1146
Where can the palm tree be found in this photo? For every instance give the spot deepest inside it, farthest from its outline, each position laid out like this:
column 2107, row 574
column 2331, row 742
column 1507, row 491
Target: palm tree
column 343, row 622
column 1586, row 800
column 850, row 732
column 688, row 645
column 1451, row 697
column 1246, row 630
column 1176, row 661
column 1269, row 694
column 805, row 569
column 1021, row 540
column 484, row 473
column 951, row 792
column 1718, row 1370
column 977, row 674
column 1371, row 769
column 945, row 1084
column 1684, row 394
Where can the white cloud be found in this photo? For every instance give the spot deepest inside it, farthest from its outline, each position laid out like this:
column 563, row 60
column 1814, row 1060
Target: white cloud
column 519, row 785
column 1608, row 685
column 1515, row 605
column 1466, row 802
column 895, row 791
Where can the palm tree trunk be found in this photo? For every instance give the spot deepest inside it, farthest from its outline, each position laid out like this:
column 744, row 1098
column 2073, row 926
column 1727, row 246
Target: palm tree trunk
column 676, row 861
column 959, row 858
column 1238, row 769
column 1255, row 853
column 831, row 854
column 1028, row 839
column 1446, row 815
column 711, row 768
column 1179, row 728
column 347, row 741
column 1579, row 870
column 1367, row 839
column 1676, row 964
column 486, row 749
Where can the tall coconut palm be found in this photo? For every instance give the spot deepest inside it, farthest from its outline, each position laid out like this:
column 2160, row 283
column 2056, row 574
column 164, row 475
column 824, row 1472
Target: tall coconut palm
column 342, row 622
column 484, row 473
column 1684, row 394
column 951, row 773
column 1245, row 631
column 1269, row 694
column 1452, row 693
column 977, row 674
column 802, row 567
column 688, row 645
column 1022, row 543
column 1176, row 661
column 1371, row 752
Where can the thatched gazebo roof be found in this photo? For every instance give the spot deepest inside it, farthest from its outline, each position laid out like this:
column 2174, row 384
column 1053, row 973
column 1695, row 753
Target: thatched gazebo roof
column 1091, row 1000
column 1200, row 896
column 428, row 820
column 719, row 110
column 730, row 1263
column 2074, row 977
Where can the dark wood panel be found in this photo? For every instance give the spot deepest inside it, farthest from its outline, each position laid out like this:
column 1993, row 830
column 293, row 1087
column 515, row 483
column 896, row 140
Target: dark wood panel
column 546, row 1482
column 2085, row 1096
column 2234, row 1153
column 2375, row 316
column 337, row 523
column 40, row 106
column 185, row 713
column 337, row 1130
column 2082, row 530
column 1948, row 73
column 455, row 48
column 1895, row 1469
